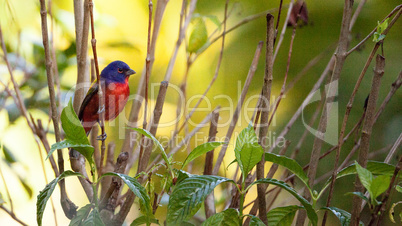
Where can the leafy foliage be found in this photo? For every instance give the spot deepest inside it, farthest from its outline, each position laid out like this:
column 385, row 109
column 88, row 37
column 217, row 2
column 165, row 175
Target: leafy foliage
column 289, row 164
column 228, row 217
column 342, row 215
column 282, row 215
column 82, row 214
column 45, row 194
column 188, row 195
column 75, row 134
column 309, row 208
column 138, row 190
column 378, row 36
column 247, row 150
column 200, row 150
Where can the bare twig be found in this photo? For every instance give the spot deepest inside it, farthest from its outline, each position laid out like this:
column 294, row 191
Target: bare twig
column 69, row 207
column 366, row 134
column 209, row 203
column 12, row 215
column 285, row 24
column 340, row 56
column 265, row 110
column 135, row 108
column 147, row 75
column 396, row 9
column 236, row 113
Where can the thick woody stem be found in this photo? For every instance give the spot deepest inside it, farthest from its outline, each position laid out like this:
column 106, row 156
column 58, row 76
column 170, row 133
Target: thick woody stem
column 366, row 134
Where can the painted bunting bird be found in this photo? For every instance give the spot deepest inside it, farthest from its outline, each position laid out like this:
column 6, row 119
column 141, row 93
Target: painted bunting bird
column 114, row 82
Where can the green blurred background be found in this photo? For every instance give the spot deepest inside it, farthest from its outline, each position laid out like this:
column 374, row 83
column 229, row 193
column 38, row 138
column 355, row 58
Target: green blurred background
column 121, row 31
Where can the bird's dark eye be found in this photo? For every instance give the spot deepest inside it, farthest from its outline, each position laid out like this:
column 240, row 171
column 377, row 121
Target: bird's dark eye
column 120, row 70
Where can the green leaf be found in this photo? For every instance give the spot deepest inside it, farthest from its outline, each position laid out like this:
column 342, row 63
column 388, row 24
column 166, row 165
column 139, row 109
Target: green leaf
column 379, row 185
column 85, row 149
column 45, row 194
column 143, row 220
column 82, row 214
column 342, row 215
column 309, row 208
column 376, row 168
column 398, row 188
column 93, row 219
column 289, row 164
column 378, row 36
column 250, row 155
column 8, row 154
column 198, row 37
column 200, row 150
column 138, row 190
column 75, row 134
column 246, row 136
column 359, row 194
column 228, row 217
column 365, row 176
column 282, row 215
column 159, row 145
column 255, row 221
column 188, row 195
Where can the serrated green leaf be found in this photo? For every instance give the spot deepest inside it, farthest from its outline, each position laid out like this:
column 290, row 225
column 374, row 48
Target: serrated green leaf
column 359, row 194
column 342, row 215
column 158, row 144
column 45, row 194
column 82, row 214
column 143, row 220
column 255, row 221
column 228, row 217
column 75, row 134
column 312, row 215
column 378, row 36
column 246, row 137
column 198, row 37
column 379, row 185
column 376, row 168
column 86, row 150
column 93, row 219
column 282, row 215
column 289, row 164
column 188, row 195
column 250, row 155
column 72, row 126
column 200, row 150
column 138, row 190
column 365, row 176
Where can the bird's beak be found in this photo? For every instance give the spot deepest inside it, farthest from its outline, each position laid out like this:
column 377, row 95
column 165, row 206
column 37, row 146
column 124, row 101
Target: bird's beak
column 129, row 72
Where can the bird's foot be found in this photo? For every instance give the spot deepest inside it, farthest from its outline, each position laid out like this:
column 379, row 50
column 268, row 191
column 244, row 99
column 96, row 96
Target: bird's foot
column 102, row 137
column 101, row 109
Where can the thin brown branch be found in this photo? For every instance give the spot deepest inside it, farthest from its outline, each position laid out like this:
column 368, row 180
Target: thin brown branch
column 366, row 134
column 378, row 213
column 285, row 24
column 147, row 75
column 12, row 215
column 265, row 104
column 69, row 208
column 236, row 113
column 209, row 203
column 135, row 108
column 340, row 56
column 396, row 9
